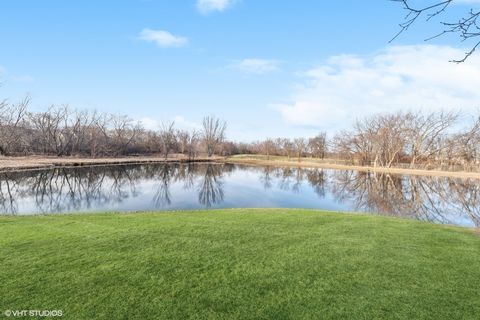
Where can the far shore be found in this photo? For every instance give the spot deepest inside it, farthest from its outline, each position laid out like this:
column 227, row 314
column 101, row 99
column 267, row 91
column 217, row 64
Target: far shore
column 43, row 162
column 308, row 163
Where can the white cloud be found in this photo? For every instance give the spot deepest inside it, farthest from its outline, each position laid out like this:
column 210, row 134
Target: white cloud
column 208, row 6
column 255, row 66
column 180, row 123
column 347, row 87
column 183, row 123
column 162, row 38
column 149, row 123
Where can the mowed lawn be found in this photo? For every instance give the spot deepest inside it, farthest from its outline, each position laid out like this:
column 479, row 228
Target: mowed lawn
column 239, row 264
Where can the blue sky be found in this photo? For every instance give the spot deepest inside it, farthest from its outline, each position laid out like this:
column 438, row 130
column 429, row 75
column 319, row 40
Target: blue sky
column 269, row 68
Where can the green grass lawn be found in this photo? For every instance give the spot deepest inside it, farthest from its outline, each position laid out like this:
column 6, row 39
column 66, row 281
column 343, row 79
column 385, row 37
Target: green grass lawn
column 239, row 264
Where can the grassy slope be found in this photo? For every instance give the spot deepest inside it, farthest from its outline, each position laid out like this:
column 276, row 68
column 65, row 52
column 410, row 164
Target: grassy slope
column 246, row 264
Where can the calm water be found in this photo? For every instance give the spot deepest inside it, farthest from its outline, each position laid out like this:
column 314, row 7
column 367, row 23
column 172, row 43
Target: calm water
column 198, row 186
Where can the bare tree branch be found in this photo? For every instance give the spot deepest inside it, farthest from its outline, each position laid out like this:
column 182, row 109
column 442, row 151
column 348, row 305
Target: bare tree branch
column 467, row 27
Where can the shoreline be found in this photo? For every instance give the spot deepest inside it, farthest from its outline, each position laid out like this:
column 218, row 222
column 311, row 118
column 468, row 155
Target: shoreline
column 87, row 214
column 10, row 164
column 399, row 171
column 133, row 213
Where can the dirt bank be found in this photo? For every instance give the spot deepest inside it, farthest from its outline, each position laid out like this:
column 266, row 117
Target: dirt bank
column 306, row 164
column 32, row 163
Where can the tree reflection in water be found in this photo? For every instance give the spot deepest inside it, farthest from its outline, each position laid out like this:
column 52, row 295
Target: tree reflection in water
column 67, row 189
column 164, row 176
column 210, row 187
column 436, row 199
column 291, row 179
column 84, row 188
column 317, row 178
column 207, row 179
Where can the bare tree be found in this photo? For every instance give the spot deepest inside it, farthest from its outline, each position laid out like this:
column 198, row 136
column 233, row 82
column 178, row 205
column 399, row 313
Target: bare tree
column 288, row 147
column 123, row 133
column 50, row 127
column 355, row 146
column 97, row 135
column 268, row 147
column 183, row 137
column 81, row 122
column 12, row 121
column 425, row 131
column 167, row 137
column 213, row 133
column 192, row 145
column 343, row 146
column 379, row 139
column 468, row 145
column 386, row 134
column 318, row 145
column 467, row 27
column 300, row 147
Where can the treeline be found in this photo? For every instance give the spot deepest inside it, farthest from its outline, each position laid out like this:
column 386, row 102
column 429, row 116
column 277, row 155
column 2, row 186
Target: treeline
column 316, row 147
column 62, row 131
column 403, row 138
column 398, row 139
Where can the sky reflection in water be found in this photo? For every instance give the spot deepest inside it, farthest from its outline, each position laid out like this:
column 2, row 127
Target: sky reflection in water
column 199, row 186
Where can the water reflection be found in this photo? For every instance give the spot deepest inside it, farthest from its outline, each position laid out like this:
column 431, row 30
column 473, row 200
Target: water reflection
column 435, row 199
column 210, row 188
column 189, row 186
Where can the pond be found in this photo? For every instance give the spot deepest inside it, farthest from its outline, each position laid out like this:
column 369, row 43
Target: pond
column 199, row 186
